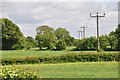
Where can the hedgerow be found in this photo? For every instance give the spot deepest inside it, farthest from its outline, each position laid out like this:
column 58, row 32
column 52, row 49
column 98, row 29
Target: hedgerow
column 69, row 57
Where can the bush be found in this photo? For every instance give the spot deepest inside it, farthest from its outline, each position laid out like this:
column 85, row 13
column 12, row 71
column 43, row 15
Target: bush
column 61, row 45
column 16, row 74
column 70, row 57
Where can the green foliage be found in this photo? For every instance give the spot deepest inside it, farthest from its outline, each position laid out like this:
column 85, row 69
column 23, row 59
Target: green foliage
column 45, row 37
column 118, row 37
column 61, row 45
column 31, row 42
column 103, row 42
column 112, row 40
column 62, row 33
column 21, row 44
column 69, row 57
column 17, row 74
column 87, row 44
column 12, row 37
column 80, row 45
column 73, row 70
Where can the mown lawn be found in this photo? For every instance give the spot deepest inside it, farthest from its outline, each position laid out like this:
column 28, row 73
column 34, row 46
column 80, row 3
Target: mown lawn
column 73, row 70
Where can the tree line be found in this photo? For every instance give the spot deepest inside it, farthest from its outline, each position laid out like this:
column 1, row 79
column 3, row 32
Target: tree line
column 48, row 38
column 107, row 42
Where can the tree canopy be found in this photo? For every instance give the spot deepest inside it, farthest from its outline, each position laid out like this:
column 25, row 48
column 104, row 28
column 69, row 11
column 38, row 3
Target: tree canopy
column 117, row 32
column 12, row 37
column 45, row 36
column 62, row 33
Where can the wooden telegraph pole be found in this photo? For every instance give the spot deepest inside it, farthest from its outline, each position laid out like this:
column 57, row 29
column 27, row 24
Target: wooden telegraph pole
column 97, row 16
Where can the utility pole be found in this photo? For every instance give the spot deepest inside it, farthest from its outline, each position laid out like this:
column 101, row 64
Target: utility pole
column 80, row 32
column 84, row 30
column 97, row 16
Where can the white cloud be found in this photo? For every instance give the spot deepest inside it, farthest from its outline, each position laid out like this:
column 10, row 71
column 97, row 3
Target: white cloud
column 70, row 15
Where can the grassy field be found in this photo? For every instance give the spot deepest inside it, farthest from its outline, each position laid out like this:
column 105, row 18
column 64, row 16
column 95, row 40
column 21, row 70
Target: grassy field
column 73, row 70
column 63, row 70
column 35, row 52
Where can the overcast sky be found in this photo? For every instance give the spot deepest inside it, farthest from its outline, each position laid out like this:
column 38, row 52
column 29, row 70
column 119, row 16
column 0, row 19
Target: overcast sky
column 70, row 15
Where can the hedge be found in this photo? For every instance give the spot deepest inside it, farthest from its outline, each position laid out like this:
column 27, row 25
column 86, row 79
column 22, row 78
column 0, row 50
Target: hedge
column 69, row 57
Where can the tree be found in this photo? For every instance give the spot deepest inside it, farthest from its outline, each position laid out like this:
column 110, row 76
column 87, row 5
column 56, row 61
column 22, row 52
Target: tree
column 31, row 42
column 61, row 45
column 12, row 37
column 112, row 40
column 87, row 44
column 45, row 37
column 103, row 42
column 76, row 41
column 21, row 44
column 80, row 45
column 62, row 33
column 91, row 43
column 117, row 32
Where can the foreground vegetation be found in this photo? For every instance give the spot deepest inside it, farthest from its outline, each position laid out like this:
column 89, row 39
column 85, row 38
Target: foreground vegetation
column 17, row 74
column 72, row 70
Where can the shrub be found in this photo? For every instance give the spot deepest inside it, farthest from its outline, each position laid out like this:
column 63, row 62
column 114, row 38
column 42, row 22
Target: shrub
column 17, row 74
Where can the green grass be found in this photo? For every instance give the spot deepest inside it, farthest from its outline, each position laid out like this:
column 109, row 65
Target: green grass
column 73, row 70
column 35, row 52
column 25, row 53
column 63, row 70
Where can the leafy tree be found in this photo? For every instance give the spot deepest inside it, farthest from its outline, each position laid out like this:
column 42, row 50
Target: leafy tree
column 21, row 44
column 92, row 43
column 117, row 32
column 112, row 40
column 76, row 41
column 87, row 44
column 45, row 37
column 61, row 45
column 12, row 37
column 62, row 33
column 103, row 42
column 80, row 45
column 31, row 42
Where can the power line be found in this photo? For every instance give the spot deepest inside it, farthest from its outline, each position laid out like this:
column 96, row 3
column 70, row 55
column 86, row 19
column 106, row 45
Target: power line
column 97, row 16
